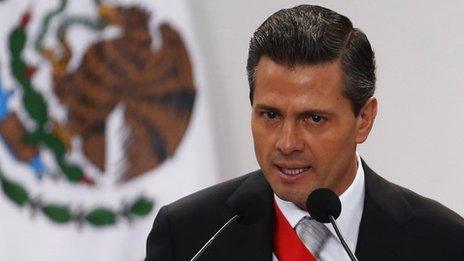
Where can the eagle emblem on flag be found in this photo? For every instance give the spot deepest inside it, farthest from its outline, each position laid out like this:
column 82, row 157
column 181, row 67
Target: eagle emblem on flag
column 91, row 114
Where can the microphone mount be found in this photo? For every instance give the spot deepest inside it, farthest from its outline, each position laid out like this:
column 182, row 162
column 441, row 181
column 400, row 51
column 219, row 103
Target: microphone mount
column 248, row 207
column 325, row 206
column 200, row 252
column 342, row 240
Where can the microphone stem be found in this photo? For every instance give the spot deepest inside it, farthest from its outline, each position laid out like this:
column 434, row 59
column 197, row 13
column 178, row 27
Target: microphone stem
column 200, row 252
column 345, row 246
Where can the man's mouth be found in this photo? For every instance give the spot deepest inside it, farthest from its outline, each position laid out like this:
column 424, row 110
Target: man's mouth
column 293, row 171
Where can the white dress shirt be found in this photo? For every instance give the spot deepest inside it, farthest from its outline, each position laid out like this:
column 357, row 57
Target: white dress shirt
column 348, row 222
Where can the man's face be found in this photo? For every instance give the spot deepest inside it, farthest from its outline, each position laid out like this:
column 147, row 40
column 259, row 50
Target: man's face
column 304, row 130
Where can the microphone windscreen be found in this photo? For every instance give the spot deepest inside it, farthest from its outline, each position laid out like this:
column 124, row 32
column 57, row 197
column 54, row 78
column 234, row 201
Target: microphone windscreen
column 322, row 203
column 249, row 206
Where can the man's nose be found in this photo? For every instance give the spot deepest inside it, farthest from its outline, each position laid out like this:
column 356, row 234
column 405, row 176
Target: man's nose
column 289, row 139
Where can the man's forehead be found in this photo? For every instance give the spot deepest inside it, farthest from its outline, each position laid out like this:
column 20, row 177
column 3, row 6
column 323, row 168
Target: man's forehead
column 267, row 68
column 314, row 78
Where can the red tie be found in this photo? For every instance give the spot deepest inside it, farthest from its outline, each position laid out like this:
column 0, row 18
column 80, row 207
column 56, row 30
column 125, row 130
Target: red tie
column 287, row 244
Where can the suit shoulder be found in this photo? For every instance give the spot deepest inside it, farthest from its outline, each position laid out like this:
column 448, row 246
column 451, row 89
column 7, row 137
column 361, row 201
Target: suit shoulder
column 421, row 219
column 430, row 209
column 433, row 216
column 403, row 204
column 209, row 197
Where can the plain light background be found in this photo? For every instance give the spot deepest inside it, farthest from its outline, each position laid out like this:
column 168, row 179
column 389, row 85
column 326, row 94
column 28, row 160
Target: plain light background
column 418, row 138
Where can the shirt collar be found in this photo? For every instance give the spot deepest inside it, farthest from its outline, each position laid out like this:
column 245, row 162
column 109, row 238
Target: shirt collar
column 352, row 205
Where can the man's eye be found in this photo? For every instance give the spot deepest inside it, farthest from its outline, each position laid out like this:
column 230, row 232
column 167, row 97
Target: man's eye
column 270, row 114
column 316, row 118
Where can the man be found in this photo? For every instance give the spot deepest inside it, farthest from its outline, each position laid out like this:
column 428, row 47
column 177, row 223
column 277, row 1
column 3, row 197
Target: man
column 312, row 81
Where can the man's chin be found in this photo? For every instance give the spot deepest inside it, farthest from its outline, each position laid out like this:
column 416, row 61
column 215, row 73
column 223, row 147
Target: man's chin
column 297, row 198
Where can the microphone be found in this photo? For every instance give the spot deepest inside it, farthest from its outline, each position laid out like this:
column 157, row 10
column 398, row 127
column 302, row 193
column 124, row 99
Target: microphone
column 324, row 206
column 248, row 208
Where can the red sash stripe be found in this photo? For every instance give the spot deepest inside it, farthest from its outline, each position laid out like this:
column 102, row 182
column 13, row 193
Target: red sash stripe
column 287, row 244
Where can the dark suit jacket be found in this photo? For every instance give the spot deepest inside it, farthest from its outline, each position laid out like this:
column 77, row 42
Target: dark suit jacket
column 396, row 224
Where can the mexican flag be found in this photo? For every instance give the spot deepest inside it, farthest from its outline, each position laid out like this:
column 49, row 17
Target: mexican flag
column 103, row 119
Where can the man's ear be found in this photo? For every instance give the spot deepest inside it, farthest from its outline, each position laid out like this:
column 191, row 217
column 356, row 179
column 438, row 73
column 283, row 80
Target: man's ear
column 365, row 120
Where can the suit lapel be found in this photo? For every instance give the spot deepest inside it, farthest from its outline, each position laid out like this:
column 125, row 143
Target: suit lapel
column 385, row 212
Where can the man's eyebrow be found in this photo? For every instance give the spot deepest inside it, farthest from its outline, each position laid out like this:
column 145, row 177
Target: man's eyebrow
column 322, row 112
column 265, row 107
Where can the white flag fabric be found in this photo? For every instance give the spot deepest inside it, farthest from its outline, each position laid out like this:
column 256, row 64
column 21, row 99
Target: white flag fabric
column 103, row 119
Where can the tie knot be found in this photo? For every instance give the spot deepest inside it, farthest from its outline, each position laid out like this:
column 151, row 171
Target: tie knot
column 312, row 233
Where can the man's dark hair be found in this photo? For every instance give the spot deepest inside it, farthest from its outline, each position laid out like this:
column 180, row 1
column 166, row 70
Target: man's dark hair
column 311, row 35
